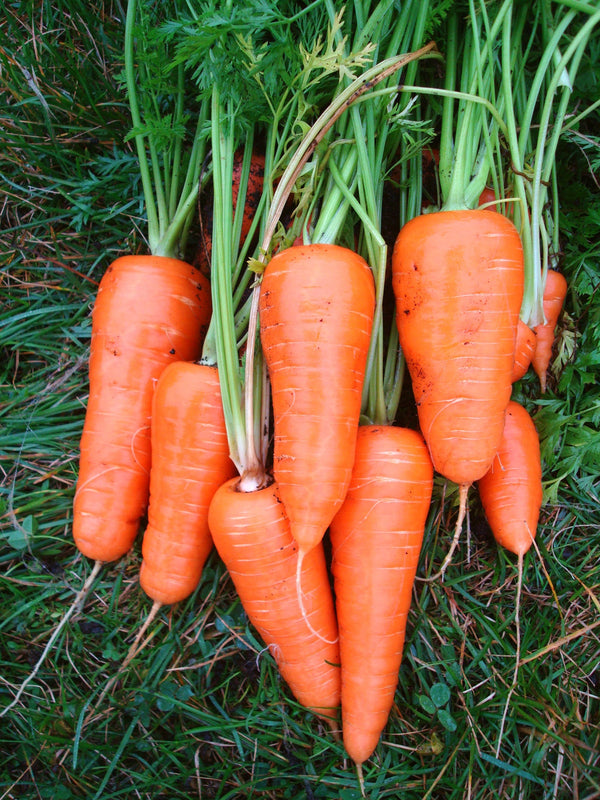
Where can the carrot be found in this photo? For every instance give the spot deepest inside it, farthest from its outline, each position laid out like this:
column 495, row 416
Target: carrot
column 555, row 291
column 488, row 196
column 458, row 282
column 252, row 535
column 252, row 193
column 149, row 311
column 511, row 495
column 376, row 540
column 524, row 350
column 457, row 276
column 316, row 311
column 511, row 490
column 190, row 460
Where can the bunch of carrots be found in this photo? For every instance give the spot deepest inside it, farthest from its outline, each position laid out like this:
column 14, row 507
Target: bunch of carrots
column 249, row 401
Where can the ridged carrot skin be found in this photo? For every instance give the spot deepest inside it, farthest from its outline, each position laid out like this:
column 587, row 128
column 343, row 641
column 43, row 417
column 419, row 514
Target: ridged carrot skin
column 555, row 291
column 511, row 491
column 316, row 314
column 149, row 311
column 252, row 535
column 458, row 281
column 376, row 540
column 190, row 460
column 524, row 350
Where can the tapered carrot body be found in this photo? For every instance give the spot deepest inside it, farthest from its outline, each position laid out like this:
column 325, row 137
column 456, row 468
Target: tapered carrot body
column 458, row 282
column 555, row 291
column 252, row 535
column 376, row 540
column 524, row 350
column 316, row 314
column 190, row 460
column 149, row 311
column 511, row 490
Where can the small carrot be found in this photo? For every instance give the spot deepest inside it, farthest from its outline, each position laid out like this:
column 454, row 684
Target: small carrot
column 252, row 535
column 149, row 311
column 511, row 490
column 488, row 196
column 376, row 540
column 316, row 312
column 252, row 193
column 555, row 292
column 524, row 350
column 190, row 460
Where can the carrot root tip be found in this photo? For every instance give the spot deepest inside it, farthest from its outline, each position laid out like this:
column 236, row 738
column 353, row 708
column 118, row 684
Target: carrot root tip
column 462, row 511
column 361, row 779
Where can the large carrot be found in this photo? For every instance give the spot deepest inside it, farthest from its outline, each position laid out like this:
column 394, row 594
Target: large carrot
column 555, row 291
column 252, row 535
column 511, row 490
column 376, row 541
column 458, row 281
column 316, row 312
column 149, row 311
column 190, row 460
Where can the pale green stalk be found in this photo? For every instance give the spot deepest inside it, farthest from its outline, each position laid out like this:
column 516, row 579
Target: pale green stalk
column 151, row 211
column 554, row 71
column 225, row 341
column 170, row 190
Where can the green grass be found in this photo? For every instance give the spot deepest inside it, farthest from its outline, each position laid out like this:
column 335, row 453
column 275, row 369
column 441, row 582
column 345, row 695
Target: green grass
column 201, row 711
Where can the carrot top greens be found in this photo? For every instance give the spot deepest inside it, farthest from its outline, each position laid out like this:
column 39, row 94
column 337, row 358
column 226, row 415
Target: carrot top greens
column 168, row 127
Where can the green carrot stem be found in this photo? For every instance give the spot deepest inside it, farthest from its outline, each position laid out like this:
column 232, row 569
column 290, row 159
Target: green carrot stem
column 147, row 188
column 322, row 125
column 224, row 330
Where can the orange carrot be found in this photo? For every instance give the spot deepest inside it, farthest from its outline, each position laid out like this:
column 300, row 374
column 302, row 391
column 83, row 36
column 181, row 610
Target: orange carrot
column 252, row 196
column 376, row 541
column 190, row 460
column 488, row 195
column 524, row 350
column 316, row 313
column 458, row 277
column 149, row 311
column 555, row 291
column 254, row 187
column 252, row 535
column 458, row 281
column 511, row 490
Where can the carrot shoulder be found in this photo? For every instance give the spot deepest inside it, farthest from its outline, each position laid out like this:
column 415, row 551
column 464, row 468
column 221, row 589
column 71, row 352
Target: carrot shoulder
column 511, row 490
column 458, row 282
column 316, row 314
column 190, row 460
column 252, row 535
column 376, row 541
column 149, row 311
